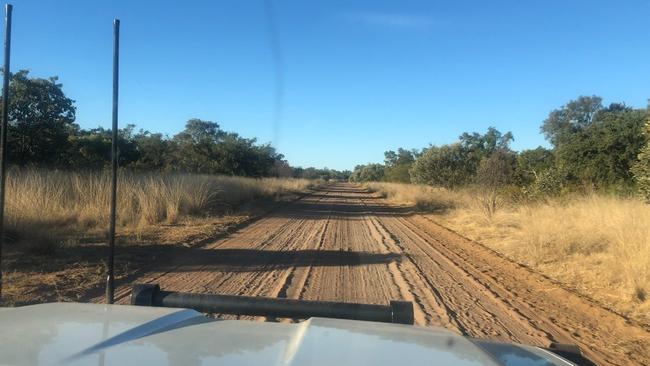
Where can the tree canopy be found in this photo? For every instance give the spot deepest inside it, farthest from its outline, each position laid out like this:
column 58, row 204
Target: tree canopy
column 397, row 165
column 592, row 147
column 43, row 132
column 41, row 118
column 367, row 173
column 458, row 163
column 593, row 144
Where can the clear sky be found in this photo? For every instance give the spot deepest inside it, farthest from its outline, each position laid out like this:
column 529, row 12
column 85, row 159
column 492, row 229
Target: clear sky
column 336, row 83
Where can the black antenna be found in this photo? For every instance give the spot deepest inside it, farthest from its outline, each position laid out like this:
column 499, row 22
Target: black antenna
column 110, row 280
column 3, row 129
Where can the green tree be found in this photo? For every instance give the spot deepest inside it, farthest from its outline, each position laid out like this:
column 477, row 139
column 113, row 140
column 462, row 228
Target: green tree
column 398, row 164
column 42, row 132
column 235, row 155
column 202, row 147
column 41, row 119
column 457, row 164
column 443, row 166
column 91, row 149
column 154, row 151
column 479, row 146
column 573, row 117
column 531, row 163
column 596, row 146
column 548, row 182
column 325, row 173
column 367, row 173
column 282, row 169
column 196, row 147
column 611, row 146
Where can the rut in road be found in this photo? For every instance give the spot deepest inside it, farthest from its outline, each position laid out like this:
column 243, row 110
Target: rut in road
column 342, row 243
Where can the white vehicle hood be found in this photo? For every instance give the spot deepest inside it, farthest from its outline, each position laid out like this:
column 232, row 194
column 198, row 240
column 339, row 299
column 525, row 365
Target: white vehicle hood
column 83, row 334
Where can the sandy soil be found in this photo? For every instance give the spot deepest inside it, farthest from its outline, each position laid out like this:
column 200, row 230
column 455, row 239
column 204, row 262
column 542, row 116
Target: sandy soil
column 342, row 243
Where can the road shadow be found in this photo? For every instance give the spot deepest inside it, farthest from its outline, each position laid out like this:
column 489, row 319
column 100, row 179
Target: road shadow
column 246, row 260
column 322, row 210
column 178, row 258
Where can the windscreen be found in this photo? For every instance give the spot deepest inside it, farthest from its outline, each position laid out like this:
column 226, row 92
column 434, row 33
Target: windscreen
column 486, row 164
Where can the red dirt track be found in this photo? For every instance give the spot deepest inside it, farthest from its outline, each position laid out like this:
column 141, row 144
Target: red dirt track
column 345, row 244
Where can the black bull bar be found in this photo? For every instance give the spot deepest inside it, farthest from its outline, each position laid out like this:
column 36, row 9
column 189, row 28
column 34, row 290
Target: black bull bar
column 400, row 312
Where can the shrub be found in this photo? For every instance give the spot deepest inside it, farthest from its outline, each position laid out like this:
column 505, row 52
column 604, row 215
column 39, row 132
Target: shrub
column 447, row 166
column 548, row 183
column 493, row 174
column 641, row 168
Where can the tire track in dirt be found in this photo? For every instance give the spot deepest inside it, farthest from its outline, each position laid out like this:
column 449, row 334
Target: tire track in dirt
column 459, row 293
column 295, row 289
column 342, row 243
column 297, row 230
column 413, row 286
column 604, row 336
column 611, row 341
column 191, row 274
column 362, row 277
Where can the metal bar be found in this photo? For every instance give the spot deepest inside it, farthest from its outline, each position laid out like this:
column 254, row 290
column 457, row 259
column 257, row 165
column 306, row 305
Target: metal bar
column 3, row 128
column 110, row 280
column 151, row 295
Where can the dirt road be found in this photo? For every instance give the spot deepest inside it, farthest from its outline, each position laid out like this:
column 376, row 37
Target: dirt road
column 342, row 243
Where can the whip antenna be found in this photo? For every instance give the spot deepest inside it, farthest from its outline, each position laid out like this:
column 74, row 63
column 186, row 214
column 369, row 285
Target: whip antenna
column 110, row 280
column 3, row 129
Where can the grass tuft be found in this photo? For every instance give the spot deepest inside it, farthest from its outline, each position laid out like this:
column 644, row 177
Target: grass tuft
column 640, row 294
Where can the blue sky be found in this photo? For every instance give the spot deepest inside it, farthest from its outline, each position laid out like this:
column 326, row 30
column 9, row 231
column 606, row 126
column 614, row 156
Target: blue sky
column 356, row 77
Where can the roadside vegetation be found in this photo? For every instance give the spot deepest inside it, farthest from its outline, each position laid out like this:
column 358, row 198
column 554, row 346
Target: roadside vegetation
column 43, row 133
column 56, row 222
column 172, row 191
column 596, row 244
column 58, row 186
column 577, row 212
column 47, row 208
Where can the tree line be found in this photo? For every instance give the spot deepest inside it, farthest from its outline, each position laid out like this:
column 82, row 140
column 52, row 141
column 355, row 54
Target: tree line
column 593, row 147
column 42, row 132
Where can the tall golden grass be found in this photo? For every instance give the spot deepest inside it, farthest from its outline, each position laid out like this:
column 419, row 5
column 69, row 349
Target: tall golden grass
column 43, row 204
column 420, row 196
column 596, row 244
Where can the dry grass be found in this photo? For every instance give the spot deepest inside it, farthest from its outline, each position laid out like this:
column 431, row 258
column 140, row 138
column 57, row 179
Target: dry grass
column 420, row 196
column 44, row 207
column 57, row 221
column 598, row 245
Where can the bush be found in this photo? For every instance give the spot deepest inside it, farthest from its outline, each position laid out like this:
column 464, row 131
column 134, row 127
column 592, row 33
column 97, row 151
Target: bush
column 493, row 174
column 548, row 183
column 532, row 162
column 641, row 168
column 445, row 166
column 367, row 173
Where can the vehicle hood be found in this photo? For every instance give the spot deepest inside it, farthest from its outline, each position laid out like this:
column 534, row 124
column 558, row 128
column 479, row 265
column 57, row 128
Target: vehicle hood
column 82, row 334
